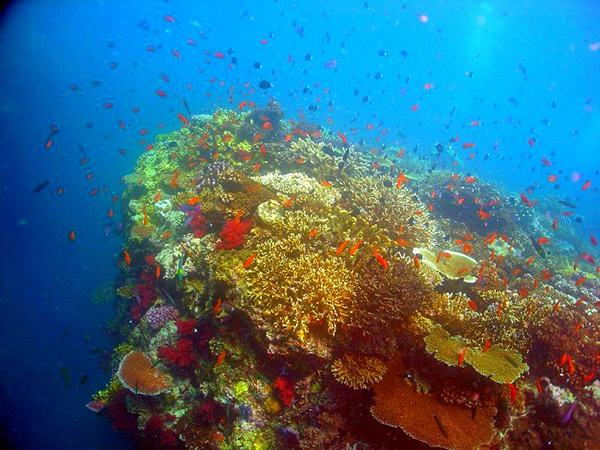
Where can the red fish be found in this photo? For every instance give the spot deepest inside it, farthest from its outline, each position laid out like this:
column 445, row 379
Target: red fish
column 590, row 376
column 468, row 145
column 72, row 235
column 538, row 384
column 417, row 262
column 414, row 107
column 353, row 249
column 546, row 162
column 552, row 178
column 593, row 240
column 555, row 223
column 169, row 19
column 486, row 347
column 343, row 138
column 475, row 123
column 161, row 93
column 472, row 305
column 531, row 142
column 221, row 357
column 461, row 357
column 401, row 179
column 341, row 247
column 586, row 185
column 543, row 240
column 513, row 392
column 470, row 180
column 127, row 258
column 249, row 260
column 176, row 54
column 219, row 55
column 380, row 259
column 183, row 119
column 428, row 86
column 580, row 281
column 157, row 273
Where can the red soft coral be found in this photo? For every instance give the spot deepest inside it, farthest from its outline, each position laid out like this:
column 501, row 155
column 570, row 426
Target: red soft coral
column 232, row 234
column 186, row 327
column 285, row 390
column 145, row 297
column 181, row 355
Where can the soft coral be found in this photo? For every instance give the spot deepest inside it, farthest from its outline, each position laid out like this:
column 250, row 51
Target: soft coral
column 232, row 234
column 181, row 355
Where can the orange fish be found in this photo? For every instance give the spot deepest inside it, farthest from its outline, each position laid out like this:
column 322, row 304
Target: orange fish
column 157, row 197
column 193, row 201
column 531, row 259
column 174, row 179
column 462, row 271
column 157, row 271
column 110, row 212
column 543, row 240
column 341, row 247
column 249, row 260
column 299, row 161
column 571, row 366
column 552, row 178
column 472, row 305
column 312, row 233
column 577, row 328
column 221, row 357
column 461, row 357
column 486, row 347
column 556, row 306
column 288, row 137
column 401, row 179
column 538, row 384
column 380, row 259
column 523, row 292
column 403, row 242
column 263, row 151
column 166, row 235
column 256, row 166
column 71, row 235
column 461, row 200
column 586, row 185
column 289, row 201
column 227, row 138
column 183, row 119
column 417, row 262
column 590, row 376
column 353, row 249
column 127, row 258
column 217, row 307
column 546, row 275
column 513, row 392
column 580, row 281
column 326, row 183
column 267, row 126
column 470, row 180
column 438, row 257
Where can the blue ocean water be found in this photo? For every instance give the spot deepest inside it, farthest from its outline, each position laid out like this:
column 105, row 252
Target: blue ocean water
column 525, row 70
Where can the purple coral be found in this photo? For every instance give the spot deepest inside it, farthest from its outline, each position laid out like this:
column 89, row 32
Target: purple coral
column 159, row 316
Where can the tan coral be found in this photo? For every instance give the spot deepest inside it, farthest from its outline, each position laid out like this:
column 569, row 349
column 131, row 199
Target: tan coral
column 452, row 265
column 358, row 371
column 426, row 419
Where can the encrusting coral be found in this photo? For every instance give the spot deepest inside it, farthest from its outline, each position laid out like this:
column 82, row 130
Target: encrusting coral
column 357, row 371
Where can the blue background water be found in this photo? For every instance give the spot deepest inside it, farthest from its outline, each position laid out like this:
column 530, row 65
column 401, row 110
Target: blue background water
column 46, row 281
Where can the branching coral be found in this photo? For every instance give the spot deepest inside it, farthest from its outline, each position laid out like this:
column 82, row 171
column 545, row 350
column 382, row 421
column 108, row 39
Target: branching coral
column 137, row 374
column 292, row 287
column 424, row 418
column 357, row 371
column 299, row 183
column 393, row 210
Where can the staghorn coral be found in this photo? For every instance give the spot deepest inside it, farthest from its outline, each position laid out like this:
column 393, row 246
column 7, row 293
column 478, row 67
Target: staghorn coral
column 395, row 211
column 292, row 287
column 502, row 366
column 357, row 371
column 449, row 308
column 137, row 374
column 452, row 265
column 512, row 328
column 426, row 419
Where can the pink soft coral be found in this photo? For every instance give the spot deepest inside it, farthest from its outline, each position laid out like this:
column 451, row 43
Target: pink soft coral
column 232, row 234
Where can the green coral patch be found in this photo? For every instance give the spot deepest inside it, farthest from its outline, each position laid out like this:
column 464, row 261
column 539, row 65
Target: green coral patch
column 502, row 366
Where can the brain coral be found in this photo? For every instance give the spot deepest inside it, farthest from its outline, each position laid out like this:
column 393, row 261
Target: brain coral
column 139, row 376
column 293, row 286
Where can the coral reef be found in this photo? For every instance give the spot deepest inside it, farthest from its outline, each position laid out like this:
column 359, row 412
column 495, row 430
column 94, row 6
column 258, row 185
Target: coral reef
column 277, row 281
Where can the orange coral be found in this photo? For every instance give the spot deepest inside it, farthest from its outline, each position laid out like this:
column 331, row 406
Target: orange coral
column 137, row 374
column 424, row 418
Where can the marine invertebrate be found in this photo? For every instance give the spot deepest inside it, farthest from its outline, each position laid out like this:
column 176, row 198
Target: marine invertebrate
column 292, row 287
column 426, row 419
column 181, row 355
column 209, row 174
column 451, row 264
column 395, row 211
column 157, row 317
column 449, row 309
column 502, row 366
column 233, row 233
column 358, row 371
column 299, row 183
column 137, row 374
column 285, row 390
